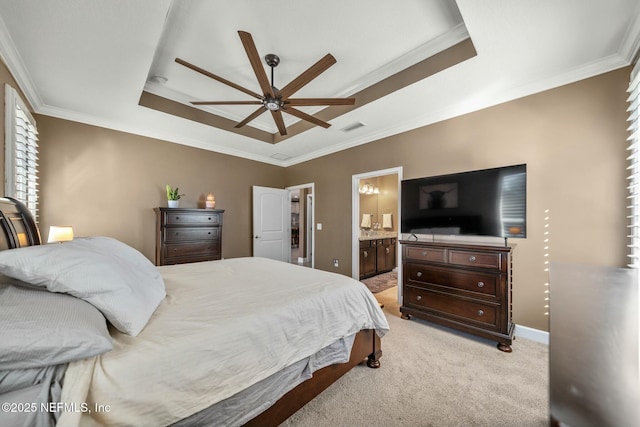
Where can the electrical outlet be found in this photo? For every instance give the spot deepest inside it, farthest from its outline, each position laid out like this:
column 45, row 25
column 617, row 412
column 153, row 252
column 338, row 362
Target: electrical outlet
column 335, row 262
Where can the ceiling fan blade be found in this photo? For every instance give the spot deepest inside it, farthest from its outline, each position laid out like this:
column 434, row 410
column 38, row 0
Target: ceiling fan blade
column 277, row 117
column 256, row 62
column 311, row 73
column 250, row 117
column 218, row 78
column 300, row 102
column 304, row 116
column 226, row 102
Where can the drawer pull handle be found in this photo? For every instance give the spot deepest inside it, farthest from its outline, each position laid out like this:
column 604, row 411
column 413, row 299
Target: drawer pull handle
column 424, row 253
column 472, row 258
column 419, row 297
column 209, row 218
column 419, row 274
column 177, row 218
column 365, row 253
column 480, row 313
column 387, row 250
column 209, row 233
column 481, row 284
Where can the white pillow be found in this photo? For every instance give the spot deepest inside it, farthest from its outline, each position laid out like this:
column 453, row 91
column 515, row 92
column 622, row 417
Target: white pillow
column 40, row 328
column 115, row 278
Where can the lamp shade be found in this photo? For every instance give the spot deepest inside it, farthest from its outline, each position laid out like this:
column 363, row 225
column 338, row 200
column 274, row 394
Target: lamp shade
column 60, row 233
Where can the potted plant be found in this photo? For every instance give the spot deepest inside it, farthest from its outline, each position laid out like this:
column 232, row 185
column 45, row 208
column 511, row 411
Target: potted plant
column 173, row 196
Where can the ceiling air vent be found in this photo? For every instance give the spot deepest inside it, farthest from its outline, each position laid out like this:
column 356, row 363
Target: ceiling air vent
column 353, row 126
column 280, row 156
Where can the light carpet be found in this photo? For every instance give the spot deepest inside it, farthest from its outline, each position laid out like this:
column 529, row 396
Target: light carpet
column 433, row 376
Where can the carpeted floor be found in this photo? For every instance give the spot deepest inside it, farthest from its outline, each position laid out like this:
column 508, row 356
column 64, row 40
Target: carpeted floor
column 381, row 282
column 435, row 377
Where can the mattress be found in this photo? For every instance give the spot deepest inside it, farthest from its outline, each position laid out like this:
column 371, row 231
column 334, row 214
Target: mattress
column 223, row 327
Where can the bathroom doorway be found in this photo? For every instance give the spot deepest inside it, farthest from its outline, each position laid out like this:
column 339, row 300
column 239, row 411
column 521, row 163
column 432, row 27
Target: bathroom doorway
column 375, row 211
column 379, row 217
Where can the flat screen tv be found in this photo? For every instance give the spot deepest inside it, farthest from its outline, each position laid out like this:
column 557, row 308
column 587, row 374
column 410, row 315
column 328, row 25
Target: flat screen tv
column 488, row 202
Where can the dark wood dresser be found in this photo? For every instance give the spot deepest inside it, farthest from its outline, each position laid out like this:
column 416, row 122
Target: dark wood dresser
column 188, row 235
column 466, row 287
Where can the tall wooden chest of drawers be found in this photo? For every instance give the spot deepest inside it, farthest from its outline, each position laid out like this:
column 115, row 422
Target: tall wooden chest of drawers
column 466, row 287
column 188, row 235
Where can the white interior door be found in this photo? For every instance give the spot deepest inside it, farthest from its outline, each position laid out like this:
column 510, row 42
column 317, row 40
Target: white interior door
column 271, row 223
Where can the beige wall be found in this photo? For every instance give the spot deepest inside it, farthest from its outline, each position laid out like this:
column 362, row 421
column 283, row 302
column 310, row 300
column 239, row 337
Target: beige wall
column 573, row 141
column 105, row 182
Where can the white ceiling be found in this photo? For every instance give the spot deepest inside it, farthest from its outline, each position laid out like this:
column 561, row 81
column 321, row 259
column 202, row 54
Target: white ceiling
column 90, row 61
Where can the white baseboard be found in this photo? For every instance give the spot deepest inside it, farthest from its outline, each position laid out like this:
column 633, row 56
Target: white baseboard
column 532, row 334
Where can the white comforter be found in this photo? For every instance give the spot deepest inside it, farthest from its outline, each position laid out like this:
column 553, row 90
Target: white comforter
column 223, row 326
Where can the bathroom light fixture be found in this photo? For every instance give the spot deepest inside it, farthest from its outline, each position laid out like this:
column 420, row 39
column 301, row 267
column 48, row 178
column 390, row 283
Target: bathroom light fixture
column 369, row 189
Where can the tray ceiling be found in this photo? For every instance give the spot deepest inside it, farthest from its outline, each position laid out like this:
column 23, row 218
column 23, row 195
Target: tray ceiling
column 112, row 64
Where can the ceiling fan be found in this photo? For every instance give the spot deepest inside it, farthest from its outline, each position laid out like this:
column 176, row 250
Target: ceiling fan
column 273, row 99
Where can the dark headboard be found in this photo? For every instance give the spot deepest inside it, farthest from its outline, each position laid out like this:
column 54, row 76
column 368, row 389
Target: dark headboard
column 18, row 226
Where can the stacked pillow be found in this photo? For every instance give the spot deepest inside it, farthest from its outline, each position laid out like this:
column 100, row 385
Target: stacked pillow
column 40, row 328
column 77, row 283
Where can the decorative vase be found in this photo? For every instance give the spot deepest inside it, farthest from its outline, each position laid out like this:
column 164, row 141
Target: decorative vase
column 173, row 203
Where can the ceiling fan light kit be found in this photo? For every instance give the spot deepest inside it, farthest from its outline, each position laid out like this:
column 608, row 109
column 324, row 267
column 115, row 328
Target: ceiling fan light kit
column 273, row 99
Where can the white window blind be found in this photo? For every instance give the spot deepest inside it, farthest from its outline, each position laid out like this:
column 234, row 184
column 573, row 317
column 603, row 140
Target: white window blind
column 634, row 168
column 21, row 152
column 513, row 204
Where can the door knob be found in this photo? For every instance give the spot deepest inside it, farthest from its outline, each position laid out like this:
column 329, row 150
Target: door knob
column 257, row 237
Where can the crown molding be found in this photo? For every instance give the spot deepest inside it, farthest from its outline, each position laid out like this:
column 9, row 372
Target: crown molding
column 13, row 61
column 630, row 46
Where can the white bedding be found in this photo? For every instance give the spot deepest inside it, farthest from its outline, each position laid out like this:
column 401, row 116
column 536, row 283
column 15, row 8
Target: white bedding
column 223, row 326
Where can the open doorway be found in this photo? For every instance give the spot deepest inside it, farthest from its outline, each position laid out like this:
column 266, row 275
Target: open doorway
column 302, row 219
column 377, row 220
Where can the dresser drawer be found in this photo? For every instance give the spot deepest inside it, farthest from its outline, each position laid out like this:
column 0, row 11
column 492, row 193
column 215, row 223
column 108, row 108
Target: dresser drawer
column 475, row 259
column 451, row 306
column 424, row 254
column 485, row 284
column 201, row 250
column 184, row 234
column 192, row 218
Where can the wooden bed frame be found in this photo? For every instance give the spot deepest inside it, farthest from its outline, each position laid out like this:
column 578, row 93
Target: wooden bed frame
column 365, row 346
column 19, row 230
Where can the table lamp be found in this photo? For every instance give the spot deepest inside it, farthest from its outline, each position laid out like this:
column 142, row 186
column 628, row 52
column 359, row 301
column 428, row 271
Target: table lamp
column 60, row 233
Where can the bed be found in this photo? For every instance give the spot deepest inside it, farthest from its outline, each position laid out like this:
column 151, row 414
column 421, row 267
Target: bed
column 94, row 334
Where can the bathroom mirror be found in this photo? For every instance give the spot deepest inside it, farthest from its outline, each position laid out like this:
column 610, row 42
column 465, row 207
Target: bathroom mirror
column 379, row 199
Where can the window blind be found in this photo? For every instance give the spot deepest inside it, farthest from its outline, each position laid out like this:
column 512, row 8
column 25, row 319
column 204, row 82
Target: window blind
column 513, row 204
column 634, row 168
column 21, row 152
